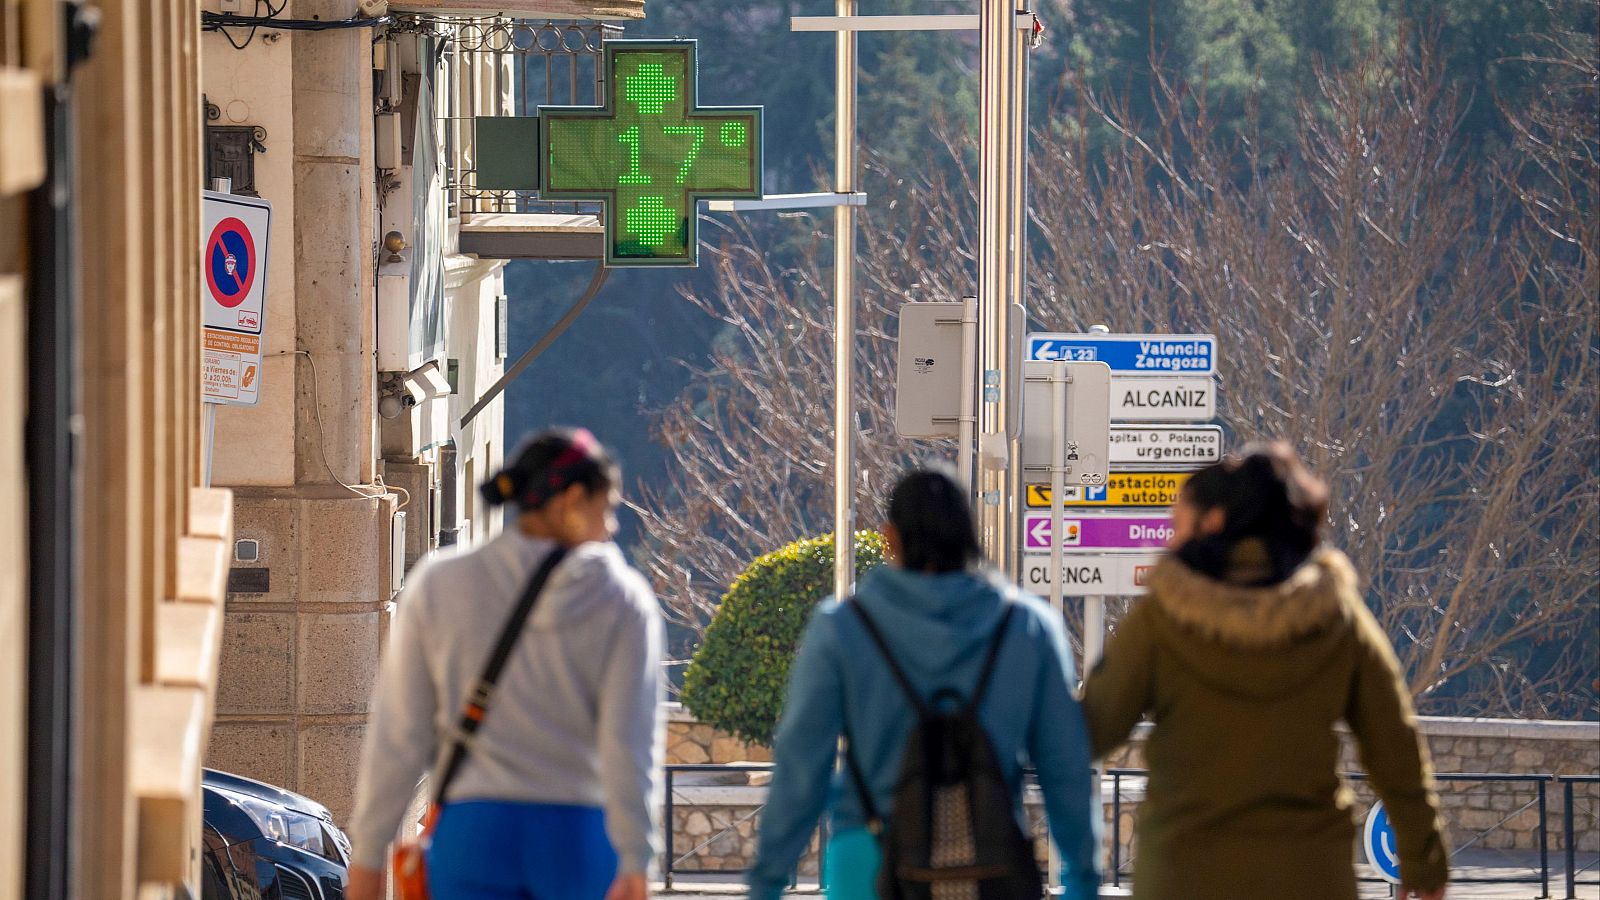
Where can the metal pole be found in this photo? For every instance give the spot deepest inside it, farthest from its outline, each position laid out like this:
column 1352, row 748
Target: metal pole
column 1567, row 829
column 844, row 313
column 1017, row 268
column 999, row 245
column 208, row 410
column 1094, row 631
column 208, row 424
column 967, row 427
column 1058, row 466
column 1058, row 469
column 669, row 827
column 1094, row 608
column 1544, row 844
column 1116, row 829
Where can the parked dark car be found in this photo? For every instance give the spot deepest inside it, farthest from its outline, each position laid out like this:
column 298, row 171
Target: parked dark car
column 265, row 843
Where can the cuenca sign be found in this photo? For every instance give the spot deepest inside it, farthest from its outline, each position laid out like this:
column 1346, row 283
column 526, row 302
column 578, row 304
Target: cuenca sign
column 1090, row 574
column 1113, row 531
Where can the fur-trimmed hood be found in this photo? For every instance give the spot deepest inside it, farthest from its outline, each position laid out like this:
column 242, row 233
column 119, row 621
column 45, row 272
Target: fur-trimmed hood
column 1256, row 640
column 1249, row 616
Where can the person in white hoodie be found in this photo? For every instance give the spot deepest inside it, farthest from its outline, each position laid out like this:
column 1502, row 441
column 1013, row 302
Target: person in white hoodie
column 555, row 799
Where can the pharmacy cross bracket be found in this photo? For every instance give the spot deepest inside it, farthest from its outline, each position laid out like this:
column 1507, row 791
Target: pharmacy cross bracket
column 651, row 153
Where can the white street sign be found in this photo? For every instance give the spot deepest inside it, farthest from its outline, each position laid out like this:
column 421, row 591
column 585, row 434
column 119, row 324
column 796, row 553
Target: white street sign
column 927, row 384
column 1082, row 426
column 233, row 265
column 1165, row 445
column 1090, row 574
column 1182, row 398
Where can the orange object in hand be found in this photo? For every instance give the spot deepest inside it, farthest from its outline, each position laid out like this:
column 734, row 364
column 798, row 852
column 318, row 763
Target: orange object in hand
column 408, row 867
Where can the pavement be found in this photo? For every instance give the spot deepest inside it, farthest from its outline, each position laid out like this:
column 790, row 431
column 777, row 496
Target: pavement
column 1468, row 865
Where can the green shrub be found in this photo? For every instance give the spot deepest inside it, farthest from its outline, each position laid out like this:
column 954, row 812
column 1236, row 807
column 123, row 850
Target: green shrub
column 737, row 678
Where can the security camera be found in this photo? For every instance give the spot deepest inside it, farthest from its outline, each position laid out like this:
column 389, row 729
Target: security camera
column 391, row 405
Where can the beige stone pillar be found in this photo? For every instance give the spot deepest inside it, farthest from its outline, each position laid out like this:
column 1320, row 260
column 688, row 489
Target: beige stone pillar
column 305, row 617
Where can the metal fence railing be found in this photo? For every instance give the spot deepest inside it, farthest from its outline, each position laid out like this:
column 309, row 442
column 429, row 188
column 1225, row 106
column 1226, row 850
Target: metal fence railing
column 1569, row 831
column 672, row 860
column 495, row 66
column 1573, row 828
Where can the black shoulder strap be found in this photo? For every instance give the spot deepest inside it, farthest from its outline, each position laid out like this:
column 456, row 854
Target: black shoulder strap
column 868, row 805
column 990, row 660
column 483, row 692
column 888, row 657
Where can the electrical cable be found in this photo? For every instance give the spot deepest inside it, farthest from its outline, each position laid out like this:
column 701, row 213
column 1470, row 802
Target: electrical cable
column 322, row 441
column 272, row 13
column 212, row 21
column 221, row 22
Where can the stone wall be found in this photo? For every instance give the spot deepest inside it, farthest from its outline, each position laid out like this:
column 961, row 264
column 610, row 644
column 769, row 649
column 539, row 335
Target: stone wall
column 1493, row 815
column 692, row 742
column 716, row 815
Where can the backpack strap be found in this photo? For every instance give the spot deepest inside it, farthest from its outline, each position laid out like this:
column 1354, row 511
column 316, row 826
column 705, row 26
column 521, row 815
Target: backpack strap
column 990, row 660
column 883, row 648
column 868, row 805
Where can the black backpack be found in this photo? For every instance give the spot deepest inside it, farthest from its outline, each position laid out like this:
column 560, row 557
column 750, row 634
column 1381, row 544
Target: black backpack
column 953, row 832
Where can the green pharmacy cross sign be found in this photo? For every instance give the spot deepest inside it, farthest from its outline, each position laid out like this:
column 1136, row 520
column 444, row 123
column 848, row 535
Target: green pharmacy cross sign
column 651, row 153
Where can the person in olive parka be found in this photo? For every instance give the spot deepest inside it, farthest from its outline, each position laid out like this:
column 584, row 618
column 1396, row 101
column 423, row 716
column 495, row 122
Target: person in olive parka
column 1250, row 649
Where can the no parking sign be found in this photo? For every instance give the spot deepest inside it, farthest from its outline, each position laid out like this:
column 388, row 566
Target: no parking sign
column 234, row 266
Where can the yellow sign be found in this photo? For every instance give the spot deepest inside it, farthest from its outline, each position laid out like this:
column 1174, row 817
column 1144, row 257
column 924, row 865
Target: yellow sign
column 1120, row 489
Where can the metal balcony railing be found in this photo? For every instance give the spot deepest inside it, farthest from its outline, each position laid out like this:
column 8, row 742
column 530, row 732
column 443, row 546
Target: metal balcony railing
column 506, row 67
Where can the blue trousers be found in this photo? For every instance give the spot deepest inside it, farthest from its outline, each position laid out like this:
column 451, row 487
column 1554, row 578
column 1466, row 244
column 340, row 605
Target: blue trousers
column 497, row 850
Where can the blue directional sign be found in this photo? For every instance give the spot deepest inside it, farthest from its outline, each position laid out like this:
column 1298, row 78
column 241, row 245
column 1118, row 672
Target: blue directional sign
column 1383, row 853
column 1131, row 354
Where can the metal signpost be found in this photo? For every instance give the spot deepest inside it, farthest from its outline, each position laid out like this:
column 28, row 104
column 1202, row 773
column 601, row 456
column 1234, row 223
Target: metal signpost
column 1065, row 421
column 234, row 266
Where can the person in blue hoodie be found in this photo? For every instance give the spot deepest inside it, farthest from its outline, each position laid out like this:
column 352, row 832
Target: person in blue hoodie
column 939, row 610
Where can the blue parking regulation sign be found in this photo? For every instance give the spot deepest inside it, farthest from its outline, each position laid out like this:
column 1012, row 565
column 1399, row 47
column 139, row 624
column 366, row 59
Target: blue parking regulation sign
column 1378, row 840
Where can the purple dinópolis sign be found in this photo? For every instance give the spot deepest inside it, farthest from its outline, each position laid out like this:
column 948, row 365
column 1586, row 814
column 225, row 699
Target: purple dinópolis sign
column 1107, row 532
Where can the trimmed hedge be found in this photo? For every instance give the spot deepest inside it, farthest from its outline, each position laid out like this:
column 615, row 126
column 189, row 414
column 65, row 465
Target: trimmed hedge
column 737, row 678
